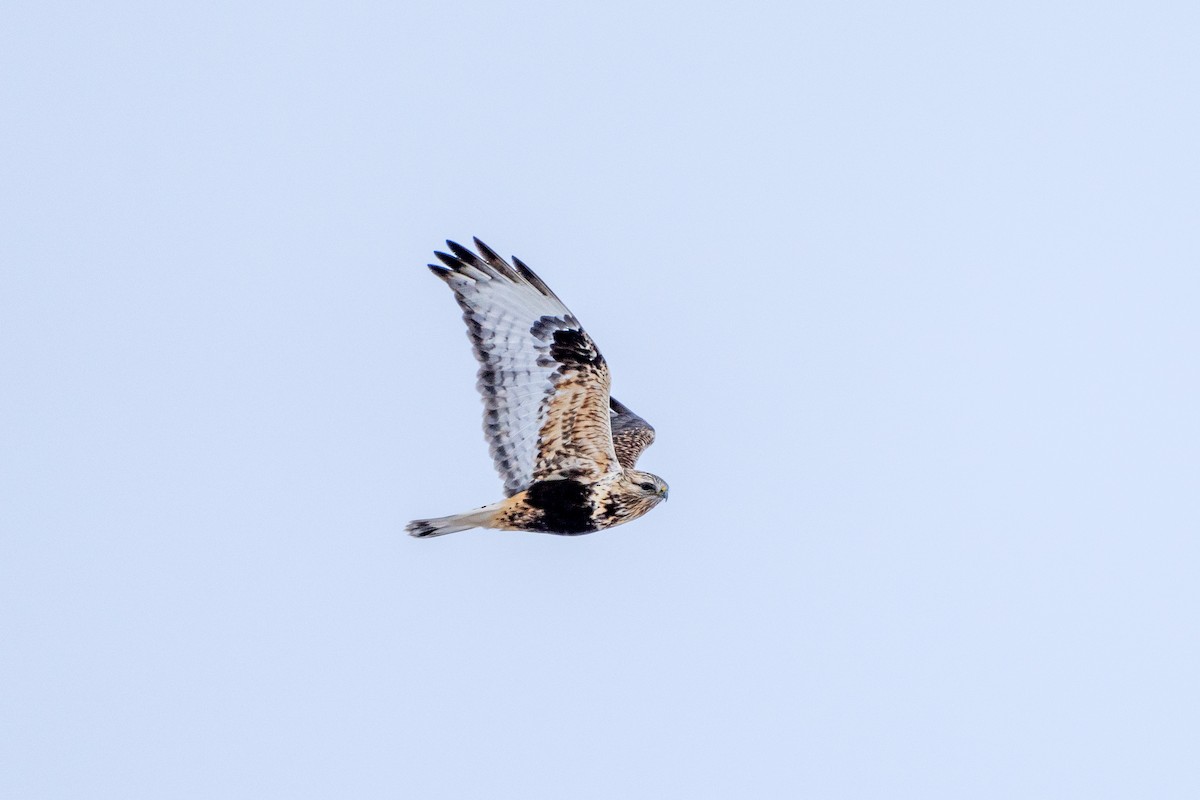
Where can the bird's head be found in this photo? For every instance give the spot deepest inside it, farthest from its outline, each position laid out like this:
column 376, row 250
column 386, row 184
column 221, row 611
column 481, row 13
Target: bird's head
column 648, row 486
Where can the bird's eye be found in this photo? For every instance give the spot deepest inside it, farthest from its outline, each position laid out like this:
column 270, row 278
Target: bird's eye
column 649, row 487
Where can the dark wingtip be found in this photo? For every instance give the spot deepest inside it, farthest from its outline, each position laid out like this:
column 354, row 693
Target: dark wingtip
column 439, row 270
column 463, row 253
column 494, row 268
column 532, row 277
column 494, row 260
column 487, row 252
column 491, row 264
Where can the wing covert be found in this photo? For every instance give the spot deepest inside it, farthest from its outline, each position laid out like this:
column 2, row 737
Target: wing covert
column 631, row 434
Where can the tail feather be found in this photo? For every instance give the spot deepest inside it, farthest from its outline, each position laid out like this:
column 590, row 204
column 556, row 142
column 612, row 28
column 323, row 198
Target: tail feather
column 425, row 528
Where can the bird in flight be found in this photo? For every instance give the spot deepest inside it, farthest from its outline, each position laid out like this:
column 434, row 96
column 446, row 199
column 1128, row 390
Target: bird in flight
column 564, row 448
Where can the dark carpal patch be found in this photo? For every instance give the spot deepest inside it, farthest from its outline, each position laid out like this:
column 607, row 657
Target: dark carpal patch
column 574, row 347
column 565, row 505
column 544, row 327
column 570, row 345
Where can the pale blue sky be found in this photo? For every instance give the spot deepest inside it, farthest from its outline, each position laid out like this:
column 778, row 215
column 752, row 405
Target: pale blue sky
column 909, row 291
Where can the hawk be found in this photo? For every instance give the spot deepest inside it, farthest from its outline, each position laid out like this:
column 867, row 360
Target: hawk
column 564, row 448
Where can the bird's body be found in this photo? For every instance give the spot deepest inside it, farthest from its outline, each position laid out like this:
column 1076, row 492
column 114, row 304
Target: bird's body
column 563, row 446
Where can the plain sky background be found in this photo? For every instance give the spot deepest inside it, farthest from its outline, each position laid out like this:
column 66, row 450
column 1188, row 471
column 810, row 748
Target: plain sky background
column 909, row 291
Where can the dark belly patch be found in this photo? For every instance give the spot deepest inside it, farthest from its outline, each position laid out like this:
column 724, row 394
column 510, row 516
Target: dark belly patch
column 566, row 506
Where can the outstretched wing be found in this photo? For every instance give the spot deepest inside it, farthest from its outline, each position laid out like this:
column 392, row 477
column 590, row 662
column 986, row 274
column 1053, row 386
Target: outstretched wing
column 544, row 383
column 631, row 434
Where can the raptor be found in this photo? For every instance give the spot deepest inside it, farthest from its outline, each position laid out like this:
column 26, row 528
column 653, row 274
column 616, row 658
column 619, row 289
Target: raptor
column 564, row 447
